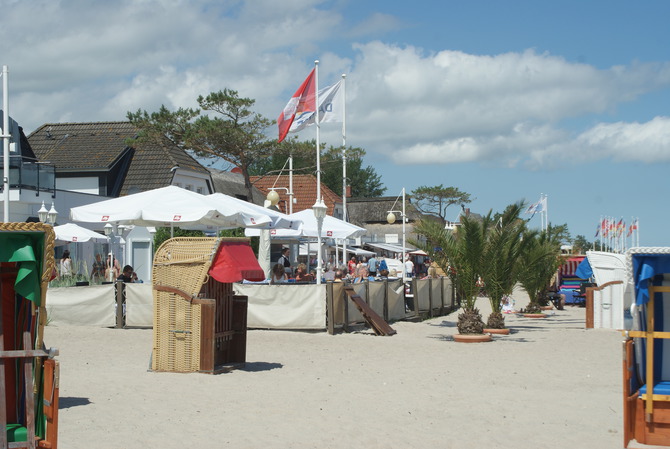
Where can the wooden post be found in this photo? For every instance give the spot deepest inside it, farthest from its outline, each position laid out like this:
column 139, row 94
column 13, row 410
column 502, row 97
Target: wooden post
column 330, row 308
column 120, row 291
column 588, row 303
column 649, row 405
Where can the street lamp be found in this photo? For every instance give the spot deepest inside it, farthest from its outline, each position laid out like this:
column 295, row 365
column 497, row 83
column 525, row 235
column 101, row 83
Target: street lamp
column 52, row 215
column 43, row 213
column 319, row 209
column 390, row 218
column 273, row 197
column 47, row 216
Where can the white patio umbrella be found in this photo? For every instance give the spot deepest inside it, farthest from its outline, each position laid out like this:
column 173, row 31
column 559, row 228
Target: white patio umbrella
column 167, row 206
column 71, row 232
column 332, row 228
column 278, row 219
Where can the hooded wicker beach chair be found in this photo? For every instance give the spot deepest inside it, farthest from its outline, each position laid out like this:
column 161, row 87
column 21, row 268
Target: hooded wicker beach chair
column 29, row 374
column 200, row 325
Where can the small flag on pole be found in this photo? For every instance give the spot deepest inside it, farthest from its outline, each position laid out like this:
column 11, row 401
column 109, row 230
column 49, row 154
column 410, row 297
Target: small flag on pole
column 537, row 207
column 303, row 101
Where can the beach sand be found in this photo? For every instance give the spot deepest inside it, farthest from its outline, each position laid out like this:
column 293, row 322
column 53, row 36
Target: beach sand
column 549, row 384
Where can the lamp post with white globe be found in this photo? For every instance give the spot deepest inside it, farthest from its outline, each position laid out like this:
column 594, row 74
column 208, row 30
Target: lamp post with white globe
column 319, row 209
column 390, row 218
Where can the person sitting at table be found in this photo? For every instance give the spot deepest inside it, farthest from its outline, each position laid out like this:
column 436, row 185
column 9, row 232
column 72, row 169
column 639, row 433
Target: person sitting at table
column 301, row 274
column 128, row 275
column 329, row 274
column 361, row 274
column 278, row 274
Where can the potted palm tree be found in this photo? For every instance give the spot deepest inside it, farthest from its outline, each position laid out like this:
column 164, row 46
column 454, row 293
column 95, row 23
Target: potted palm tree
column 501, row 262
column 460, row 255
column 539, row 262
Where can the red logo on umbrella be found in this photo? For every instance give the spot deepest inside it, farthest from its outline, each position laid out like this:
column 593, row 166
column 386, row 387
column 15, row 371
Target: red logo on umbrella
column 176, row 218
column 273, row 232
column 74, row 238
column 252, row 221
column 329, row 233
column 105, row 218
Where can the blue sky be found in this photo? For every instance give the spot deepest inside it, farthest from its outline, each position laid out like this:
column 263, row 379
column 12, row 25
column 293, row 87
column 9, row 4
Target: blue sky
column 504, row 100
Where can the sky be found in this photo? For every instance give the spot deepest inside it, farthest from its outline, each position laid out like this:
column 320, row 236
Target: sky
column 504, row 100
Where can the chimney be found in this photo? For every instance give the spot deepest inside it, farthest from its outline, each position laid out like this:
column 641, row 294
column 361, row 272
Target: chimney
column 348, row 191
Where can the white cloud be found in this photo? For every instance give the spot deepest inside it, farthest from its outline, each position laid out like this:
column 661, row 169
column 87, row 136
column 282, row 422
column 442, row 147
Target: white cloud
column 507, row 106
column 75, row 62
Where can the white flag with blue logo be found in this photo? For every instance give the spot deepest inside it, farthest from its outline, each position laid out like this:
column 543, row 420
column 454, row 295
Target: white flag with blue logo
column 331, row 104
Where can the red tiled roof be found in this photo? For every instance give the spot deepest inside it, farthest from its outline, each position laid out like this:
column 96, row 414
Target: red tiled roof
column 304, row 191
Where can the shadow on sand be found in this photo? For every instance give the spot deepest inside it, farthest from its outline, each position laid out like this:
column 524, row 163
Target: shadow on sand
column 255, row 367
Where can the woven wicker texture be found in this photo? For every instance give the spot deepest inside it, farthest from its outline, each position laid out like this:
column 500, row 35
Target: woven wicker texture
column 182, row 263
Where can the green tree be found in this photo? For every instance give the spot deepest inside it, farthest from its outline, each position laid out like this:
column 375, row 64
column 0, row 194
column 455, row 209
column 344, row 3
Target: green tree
column 435, row 200
column 234, row 133
column 539, row 262
column 461, row 255
column 580, row 245
column 559, row 233
column 364, row 181
column 501, row 261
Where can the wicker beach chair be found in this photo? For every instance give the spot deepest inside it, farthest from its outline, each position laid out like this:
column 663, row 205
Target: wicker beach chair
column 199, row 324
column 29, row 375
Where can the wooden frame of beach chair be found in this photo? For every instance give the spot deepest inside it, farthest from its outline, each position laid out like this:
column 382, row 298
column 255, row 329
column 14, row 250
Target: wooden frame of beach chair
column 646, row 413
column 200, row 325
column 28, row 247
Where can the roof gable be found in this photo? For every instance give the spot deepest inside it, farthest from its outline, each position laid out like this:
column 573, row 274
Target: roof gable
column 304, row 191
column 101, row 147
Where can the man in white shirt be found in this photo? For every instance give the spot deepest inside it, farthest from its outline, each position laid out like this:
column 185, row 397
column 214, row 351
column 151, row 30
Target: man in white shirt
column 409, row 268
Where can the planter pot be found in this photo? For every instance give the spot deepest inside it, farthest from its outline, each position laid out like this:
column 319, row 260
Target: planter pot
column 497, row 331
column 472, row 338
column 535, row 315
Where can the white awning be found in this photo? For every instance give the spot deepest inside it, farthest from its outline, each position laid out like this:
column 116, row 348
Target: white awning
column 390, row 247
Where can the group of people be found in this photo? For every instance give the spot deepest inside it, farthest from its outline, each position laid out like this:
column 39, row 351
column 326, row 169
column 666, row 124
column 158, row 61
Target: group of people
column 356, row 270
column 101, row 270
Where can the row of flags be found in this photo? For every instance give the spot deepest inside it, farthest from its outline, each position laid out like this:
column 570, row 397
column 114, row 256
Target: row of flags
column 300, row 110
column 609, row 227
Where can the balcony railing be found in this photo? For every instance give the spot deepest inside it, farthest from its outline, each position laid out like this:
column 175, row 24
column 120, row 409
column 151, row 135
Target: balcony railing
column 30, row 174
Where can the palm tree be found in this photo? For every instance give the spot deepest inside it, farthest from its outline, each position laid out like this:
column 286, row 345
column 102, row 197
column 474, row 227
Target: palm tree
column 460, row 254
column 539, row 262
column 501, row 261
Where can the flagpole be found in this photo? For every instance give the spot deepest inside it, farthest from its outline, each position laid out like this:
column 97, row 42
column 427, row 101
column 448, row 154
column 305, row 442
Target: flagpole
column 542, row 226
column 637, row 228
column 5, row 144
column 546, row 213
column 319, row 202
column 344, row 164
column 318, row 129
column 290, row 183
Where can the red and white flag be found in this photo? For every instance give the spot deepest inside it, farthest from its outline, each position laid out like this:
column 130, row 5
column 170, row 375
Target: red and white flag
column 331, row 109
column 302, row 102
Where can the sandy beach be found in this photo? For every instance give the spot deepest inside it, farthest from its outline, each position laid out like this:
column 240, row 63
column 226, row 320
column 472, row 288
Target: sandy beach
column 549, row 384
